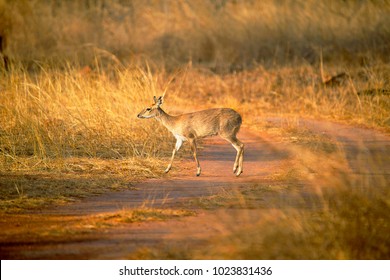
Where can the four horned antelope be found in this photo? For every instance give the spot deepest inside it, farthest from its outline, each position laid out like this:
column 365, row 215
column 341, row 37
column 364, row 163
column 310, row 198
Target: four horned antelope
column 189, row 127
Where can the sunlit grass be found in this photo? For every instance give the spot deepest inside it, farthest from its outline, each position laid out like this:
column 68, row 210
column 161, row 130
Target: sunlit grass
column 59, row 124
column 72, row 179
column 56, row 226
column 222, row 35
column 80, row 72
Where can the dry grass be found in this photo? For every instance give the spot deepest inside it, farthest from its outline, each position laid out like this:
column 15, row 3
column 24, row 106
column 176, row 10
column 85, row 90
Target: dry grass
column 344, row 216
column 292, row 91
column 53, row 227
column 80, row 71
column 221, row 34
column 61, row 125
column 352, row 225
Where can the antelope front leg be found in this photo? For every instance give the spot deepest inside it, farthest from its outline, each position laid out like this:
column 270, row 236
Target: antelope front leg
column 170, row 163
column 179, row 142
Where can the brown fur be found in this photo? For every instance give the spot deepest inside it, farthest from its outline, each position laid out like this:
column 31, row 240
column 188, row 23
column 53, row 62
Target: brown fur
column 224, row 122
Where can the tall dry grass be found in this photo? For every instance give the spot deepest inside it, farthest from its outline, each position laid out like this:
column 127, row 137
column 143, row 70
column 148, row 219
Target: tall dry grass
column 361, row 99
column 67, row 134
column 222, row 35
column 81, row 70
column 70, row 113
column 270, row 50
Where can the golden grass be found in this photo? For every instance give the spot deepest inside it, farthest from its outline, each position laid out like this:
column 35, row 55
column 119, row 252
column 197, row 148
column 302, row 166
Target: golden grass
column 292, row 91
column 344, row 216
column 353, row 225
column 57, row 227
column 221, row 34
column 69, row 123
column 64, row 114
column 60, row 124
column 80, row 72
column 60, row 181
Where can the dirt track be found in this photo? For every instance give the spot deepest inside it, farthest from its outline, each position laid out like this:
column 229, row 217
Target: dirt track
column 263, row 157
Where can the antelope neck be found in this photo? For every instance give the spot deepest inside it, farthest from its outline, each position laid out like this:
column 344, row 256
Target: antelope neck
column 167, row 120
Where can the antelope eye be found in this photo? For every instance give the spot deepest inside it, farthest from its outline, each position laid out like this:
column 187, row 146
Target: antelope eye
column 148, row 109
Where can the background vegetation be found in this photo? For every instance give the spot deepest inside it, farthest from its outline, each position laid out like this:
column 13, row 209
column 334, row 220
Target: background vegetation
column 74, row 74
column 223, row 34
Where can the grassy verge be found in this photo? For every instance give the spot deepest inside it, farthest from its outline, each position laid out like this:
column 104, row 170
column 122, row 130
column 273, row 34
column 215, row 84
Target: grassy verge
column 53, row 227
column 76, row 179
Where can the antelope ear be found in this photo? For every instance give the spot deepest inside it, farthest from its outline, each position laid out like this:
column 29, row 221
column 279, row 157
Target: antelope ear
column 160, row 100
column 155, row 99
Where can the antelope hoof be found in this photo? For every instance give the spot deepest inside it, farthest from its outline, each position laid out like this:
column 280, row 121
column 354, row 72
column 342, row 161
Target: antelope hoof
column 238, row 173
column 198, row 172
column 235, row 169
column 167, row 170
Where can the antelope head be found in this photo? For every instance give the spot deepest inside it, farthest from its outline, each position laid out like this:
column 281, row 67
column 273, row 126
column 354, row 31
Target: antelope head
column 152, row 111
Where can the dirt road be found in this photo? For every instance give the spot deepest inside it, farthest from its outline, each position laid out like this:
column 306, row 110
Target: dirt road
column 263, row 159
